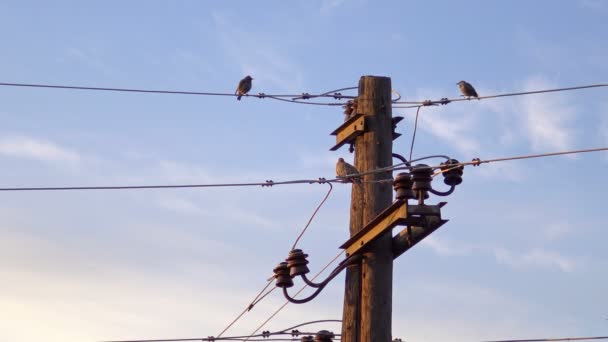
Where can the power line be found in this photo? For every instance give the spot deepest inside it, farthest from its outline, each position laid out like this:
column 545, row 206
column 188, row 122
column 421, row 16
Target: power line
column 414, row 134
column 249, row 307
column 556, row 339
column 276, row 312
column 321, row 180
column 444, row 101
column 267, row 183
column 260, row 296
column 477, row 161
column 331, row 187
column 294, row 98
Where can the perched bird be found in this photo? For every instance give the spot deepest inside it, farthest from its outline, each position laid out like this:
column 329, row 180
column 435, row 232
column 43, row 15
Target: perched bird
column 244, row 87
column 348, row 172
column 467, row 89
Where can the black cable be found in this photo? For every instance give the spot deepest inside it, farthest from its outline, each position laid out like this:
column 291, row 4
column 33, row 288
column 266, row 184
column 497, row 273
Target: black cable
column 444, row 101
column 281, row 97
column 556, row 339
column 414, row 134
column 331, row 187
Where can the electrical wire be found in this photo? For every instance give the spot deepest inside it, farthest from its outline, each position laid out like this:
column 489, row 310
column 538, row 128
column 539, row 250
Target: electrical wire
column 249, row 307
column 276, row 312
column 268, row 183
column 260, row 297
column 445, row 101
column 557, row 339
column 281, row 97
column 414, row 134
column 331, row 187
column 312, row 322
column 477, row 162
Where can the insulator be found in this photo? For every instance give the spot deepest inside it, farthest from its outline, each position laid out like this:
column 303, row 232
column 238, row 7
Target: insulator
column 324, row 336
column 281, row 273
column 452, row 175
column 422, row 175
column 296, row 261
column 403, row 186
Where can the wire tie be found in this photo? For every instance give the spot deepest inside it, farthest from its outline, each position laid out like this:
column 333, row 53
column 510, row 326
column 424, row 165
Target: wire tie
column 476, row 161
column 444, row 101
column 305, row 96
column 338, row 96
column 261, row 95
column 269, row 183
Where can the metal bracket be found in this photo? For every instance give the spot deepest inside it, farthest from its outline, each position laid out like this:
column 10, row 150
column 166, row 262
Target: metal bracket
column 349, row 130
column 395, row 120
column 421, row 219
column 396, row 214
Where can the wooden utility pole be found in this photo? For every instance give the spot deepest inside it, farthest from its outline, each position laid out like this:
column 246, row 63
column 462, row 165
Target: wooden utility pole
column 368, row 293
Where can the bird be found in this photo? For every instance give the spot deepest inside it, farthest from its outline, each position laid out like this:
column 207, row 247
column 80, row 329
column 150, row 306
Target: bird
column 347, row 172
column 467, row 89
column 244, row 87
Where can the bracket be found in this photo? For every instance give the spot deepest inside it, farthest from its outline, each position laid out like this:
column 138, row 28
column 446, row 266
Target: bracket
column 396, row 214
column 421, row 219
column 349, row 130
column 395, row 120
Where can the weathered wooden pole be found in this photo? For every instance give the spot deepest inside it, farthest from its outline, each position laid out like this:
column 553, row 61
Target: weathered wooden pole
column 368, row 292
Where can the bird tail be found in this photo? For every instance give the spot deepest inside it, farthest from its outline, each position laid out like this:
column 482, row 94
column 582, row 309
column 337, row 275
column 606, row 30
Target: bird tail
column 238, row 97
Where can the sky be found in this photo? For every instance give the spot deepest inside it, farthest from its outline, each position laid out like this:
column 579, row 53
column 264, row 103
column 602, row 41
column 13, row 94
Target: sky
column 523, row 255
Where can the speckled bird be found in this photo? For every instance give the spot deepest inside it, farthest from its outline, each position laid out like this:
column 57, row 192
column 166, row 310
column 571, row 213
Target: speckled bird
column 467, row 89
column 244, row 87
column 346, row 171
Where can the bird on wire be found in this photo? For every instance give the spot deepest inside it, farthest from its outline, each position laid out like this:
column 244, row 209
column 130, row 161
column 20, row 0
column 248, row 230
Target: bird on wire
column 244, row 87
column 467, row 89
column 347, row 172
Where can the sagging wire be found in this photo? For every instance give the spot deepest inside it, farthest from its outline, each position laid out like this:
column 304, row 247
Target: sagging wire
column 278, row 310
column 280, row 97
column 445, row 100
column 270, row 183
column 556, row 339
column 331, row 187
column 414, row 134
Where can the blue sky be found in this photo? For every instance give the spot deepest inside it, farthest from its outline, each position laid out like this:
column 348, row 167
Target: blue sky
column 522, row 256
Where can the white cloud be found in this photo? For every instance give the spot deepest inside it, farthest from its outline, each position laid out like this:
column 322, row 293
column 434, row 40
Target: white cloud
column 536, row 257
column 181, row 206
column 266, row 63
column 444, row 247
column 533, row 258
column 453, row 131
column 556, row 230
column 594, row 5
column 546, row 118
column 327, row 6
column 31, row 148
